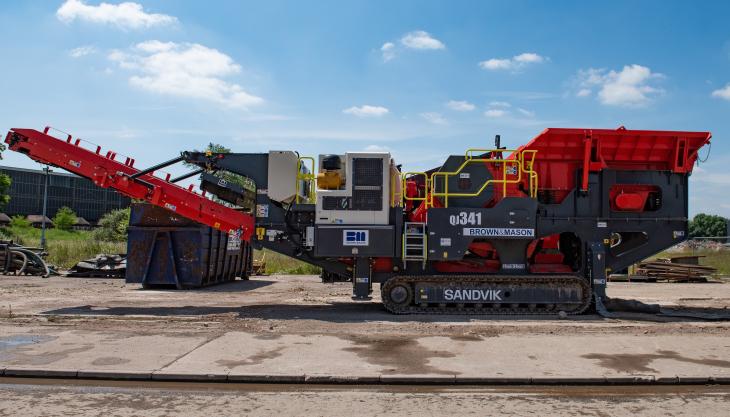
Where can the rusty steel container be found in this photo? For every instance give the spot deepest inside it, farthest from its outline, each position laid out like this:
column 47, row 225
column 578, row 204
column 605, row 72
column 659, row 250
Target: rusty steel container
column 167, row 250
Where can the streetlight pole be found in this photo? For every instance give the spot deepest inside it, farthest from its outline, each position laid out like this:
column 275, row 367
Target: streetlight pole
column 45, row 207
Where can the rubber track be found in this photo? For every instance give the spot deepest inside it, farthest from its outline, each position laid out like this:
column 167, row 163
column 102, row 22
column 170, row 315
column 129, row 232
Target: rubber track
column 521, row 280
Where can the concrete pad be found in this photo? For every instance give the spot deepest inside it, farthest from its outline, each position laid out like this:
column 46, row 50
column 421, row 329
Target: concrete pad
column 268, row 357
column 264, row 377
column 582, row 356
column 417, row 379
column 188, row 376
column 562, row 380
column 694, row 380
column 89, row 350
column 341, row 379
column 468, row 380
column 288, row 354
column 115, row 375
column 629, row 380
column 40, row 373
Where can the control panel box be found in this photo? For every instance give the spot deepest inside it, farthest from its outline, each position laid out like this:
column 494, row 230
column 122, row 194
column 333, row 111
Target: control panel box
column 354, row 240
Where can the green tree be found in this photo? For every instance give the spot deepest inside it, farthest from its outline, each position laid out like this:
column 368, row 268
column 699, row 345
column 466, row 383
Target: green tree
column 19, row 222
column 230, row 177
column 5, row 182
column 64, row 219
column 113, row 226
column 707, row 225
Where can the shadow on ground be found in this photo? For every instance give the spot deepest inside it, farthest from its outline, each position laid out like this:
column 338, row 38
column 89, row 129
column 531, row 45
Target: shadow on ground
column 232, row 286
column 349, row 312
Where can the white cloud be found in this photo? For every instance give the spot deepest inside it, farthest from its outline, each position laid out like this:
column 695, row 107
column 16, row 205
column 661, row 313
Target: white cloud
column 499, row 104
column 125, row 15
column 496, row 64
column 525, row 112
column 515, row 63
column 417, row 39
column 154, row 46
column 722, row 93
column 630, row 87
column 421, row 40
column 528, row 58
column 495, row 113
column 460, row 105
column 185, row 70
column 435, row 118
column 388, row 50
column 366, row 111
column 82, row 51
column 503, row 109
column 376, row 148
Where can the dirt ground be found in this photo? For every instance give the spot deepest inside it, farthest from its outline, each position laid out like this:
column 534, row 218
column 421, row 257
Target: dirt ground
column 79, row 399
column 303, row 305
column 279, row 307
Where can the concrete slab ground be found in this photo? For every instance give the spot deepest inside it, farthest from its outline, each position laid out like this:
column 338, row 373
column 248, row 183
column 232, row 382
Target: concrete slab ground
column 548, row 359
column 295, row 329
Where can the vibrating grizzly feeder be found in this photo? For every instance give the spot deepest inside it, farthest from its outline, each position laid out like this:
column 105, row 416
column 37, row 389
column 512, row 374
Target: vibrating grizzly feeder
column 532, row 230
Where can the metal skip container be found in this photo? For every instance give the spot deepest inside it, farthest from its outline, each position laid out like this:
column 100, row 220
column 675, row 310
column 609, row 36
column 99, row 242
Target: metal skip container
column 167, row 250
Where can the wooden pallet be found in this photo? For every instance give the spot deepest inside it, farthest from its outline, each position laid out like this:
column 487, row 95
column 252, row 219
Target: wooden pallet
column 663, row 270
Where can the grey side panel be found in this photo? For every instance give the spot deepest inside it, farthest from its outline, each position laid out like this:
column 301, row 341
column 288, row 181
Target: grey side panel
column 509, row 227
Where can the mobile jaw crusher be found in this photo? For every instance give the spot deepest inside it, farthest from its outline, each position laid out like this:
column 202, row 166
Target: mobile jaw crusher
column 532, row 230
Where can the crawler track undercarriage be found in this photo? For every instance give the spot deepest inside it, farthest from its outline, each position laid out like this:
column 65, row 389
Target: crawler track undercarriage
column 487, row 294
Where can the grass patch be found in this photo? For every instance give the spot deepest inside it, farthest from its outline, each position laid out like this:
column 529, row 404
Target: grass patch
column 66, row 253
column 65, row 248
column 280, row 264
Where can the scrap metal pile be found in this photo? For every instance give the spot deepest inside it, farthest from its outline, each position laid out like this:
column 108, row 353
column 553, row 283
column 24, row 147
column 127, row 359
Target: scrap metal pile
column 22, row 260
column 101, row 266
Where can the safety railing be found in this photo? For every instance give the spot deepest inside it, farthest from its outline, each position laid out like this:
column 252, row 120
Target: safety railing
column 513, row 167
column 396, row 198
column 310, row 178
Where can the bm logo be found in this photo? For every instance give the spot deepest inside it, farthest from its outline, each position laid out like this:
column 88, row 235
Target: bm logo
column 355, row 237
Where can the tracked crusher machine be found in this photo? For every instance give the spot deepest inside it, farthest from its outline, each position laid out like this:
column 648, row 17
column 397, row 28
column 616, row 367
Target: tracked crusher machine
column 533, row 230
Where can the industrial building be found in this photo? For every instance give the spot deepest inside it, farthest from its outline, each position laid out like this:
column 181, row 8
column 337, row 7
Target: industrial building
column 80, row 194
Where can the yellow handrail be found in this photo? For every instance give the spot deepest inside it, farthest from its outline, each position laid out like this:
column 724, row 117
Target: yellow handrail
column 517, row 158
column 395, row 201
column 311, row 177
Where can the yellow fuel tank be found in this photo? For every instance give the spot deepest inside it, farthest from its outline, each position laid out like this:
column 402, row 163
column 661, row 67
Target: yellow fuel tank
column 329, row 180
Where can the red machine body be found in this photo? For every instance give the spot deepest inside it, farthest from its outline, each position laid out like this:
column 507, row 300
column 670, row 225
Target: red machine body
column 562, row 152
column 560, row 155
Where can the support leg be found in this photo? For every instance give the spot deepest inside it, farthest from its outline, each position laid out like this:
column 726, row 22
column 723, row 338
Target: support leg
column 598, row 278
column 362, row 284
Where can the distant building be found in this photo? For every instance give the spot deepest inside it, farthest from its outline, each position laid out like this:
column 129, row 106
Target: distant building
column 86, row 199
column 82, row 224
column 36, row 220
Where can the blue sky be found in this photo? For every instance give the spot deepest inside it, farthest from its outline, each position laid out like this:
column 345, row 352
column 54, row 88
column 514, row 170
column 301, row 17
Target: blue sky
column 421, row 79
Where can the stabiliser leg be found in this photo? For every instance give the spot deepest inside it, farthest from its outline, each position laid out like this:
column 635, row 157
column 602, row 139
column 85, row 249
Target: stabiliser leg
column 362, row 281
column 598, row 277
